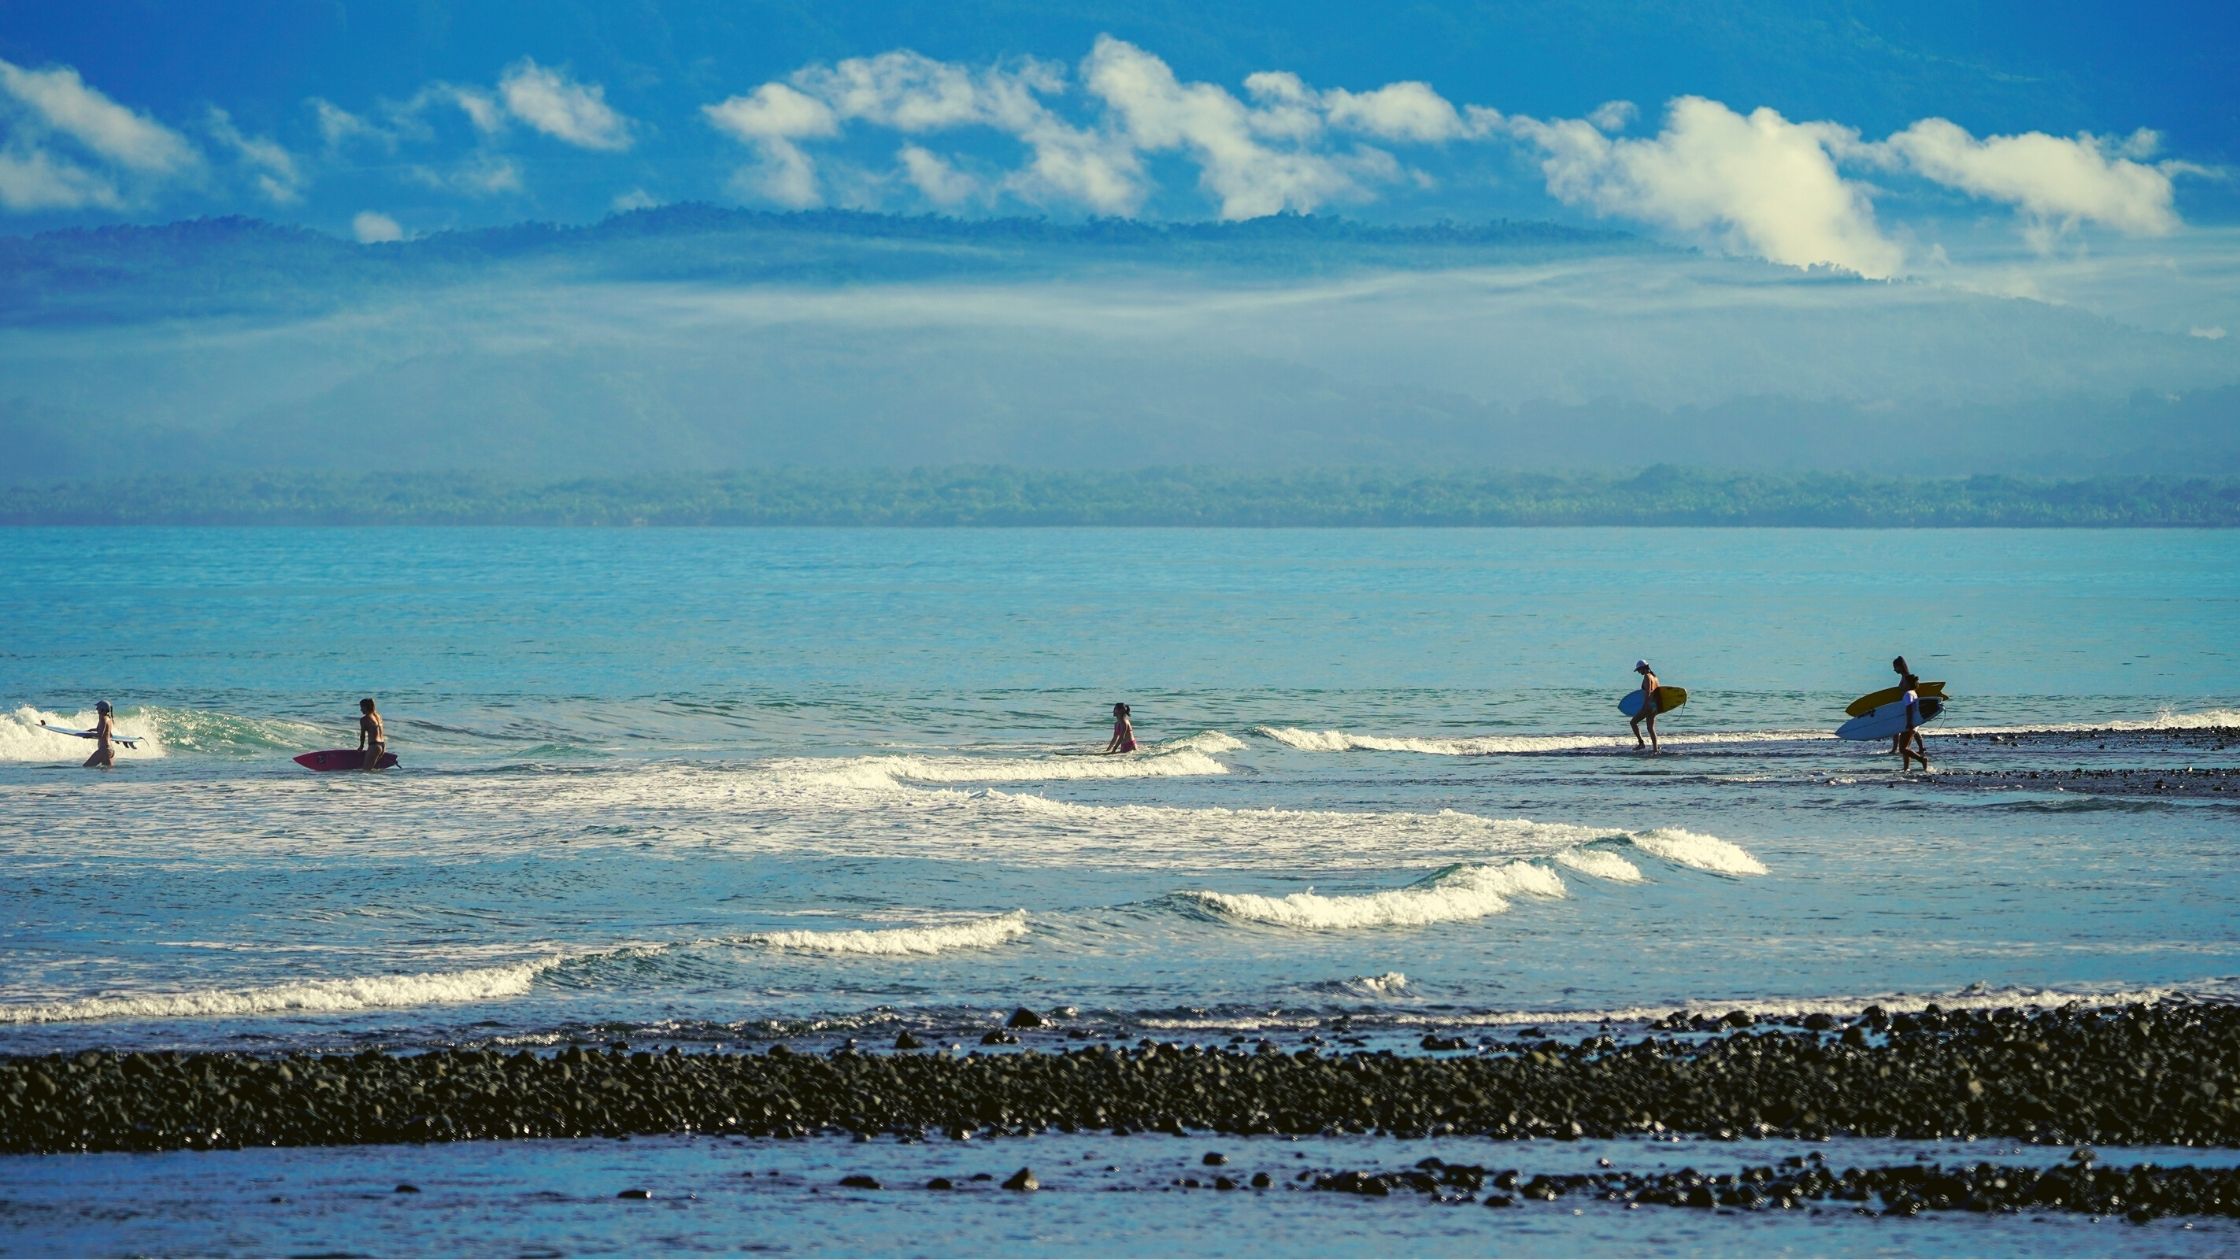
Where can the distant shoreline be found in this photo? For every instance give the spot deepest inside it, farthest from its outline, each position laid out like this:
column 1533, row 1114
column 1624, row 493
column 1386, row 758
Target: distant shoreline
column 980, row 497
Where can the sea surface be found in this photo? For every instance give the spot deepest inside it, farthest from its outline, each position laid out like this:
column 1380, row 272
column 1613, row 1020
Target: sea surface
column 725, row 787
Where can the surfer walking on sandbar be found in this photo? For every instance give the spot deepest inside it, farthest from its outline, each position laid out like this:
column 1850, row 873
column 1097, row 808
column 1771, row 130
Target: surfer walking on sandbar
column 1648, row 711
column 373, row 737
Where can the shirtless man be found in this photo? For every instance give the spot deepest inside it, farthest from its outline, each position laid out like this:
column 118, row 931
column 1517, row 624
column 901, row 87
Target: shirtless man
column 1648, row 707
column 373, row 740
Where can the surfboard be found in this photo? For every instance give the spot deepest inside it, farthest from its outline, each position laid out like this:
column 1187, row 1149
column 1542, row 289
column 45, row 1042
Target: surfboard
column 1888, row 720
column 1668, row 699
column 1869, row 703
column 129, row 741
column 342, row 759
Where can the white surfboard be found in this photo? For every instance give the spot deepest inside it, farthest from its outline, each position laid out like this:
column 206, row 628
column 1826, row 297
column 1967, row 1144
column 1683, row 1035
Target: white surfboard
column 1887, row 721
column 129, row 741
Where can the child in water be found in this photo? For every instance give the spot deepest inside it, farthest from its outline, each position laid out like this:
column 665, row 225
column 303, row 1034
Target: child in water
column 1123, row 731
column 373, row 739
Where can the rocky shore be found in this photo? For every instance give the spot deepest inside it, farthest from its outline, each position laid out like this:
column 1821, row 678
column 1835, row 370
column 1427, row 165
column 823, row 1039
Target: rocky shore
column 2138, row 1194
column 2163, row 1074
column 2187, row 781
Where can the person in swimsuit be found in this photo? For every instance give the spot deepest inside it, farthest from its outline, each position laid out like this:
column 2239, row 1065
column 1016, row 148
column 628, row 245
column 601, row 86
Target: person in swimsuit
column 373, row 738
column 104, row 730
column 1648, row 708
column 1909, row 743
column 1123, row 731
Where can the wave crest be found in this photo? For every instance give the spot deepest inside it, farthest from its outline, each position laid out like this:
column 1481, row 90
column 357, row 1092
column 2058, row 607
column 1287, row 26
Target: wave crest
column 1452, row 895
column 351, row 993
column 1694, row 849
column 896, row 942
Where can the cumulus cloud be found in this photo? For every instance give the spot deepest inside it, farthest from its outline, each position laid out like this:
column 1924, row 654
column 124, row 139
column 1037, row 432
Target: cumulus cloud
column 935, row 178
column 278, row 176
column 556, row 105
column 2208, row 332
column 61, row 102
column 480, row 174
column 1409, row 112
column 374, row 228
column 2052, row 180
column 1756, row 184
column 773, row 118
column 32, row 179
column 635, row 199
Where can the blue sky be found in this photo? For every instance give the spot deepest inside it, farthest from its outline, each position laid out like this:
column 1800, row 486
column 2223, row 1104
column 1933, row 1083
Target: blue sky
column 1886, row 139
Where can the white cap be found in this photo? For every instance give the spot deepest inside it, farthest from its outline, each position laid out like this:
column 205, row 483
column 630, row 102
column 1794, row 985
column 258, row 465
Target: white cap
column 1640, row 666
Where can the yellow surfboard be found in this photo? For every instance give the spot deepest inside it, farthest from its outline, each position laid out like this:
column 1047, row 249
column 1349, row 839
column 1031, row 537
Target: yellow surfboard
column 1668, row 699
column 1869, row 703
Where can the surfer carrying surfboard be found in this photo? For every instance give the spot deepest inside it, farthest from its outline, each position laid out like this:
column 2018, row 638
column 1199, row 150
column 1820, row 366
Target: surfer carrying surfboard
column 1648, row 708
column 1908, row 744
column 104, row 729
column 373, row 738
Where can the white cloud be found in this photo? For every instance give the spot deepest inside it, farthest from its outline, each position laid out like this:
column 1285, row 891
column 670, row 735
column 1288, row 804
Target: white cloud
column 1613, row 116
column 773, row 112
column 559, row 107
column 2209, row 332
column 62, row 102
column 1409, row 112
column 1160, row 113
column 32, row 179
column 480, row 174
column 338, row 126
column 635, row 199
column 785, row 175
column 1759, row 184
column 373, row 228
column 278, row 176
column 2051, row 179
column 935, row 178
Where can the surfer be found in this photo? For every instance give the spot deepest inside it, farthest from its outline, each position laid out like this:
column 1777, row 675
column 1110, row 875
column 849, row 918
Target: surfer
column 1648, row 708
column 104, row 730
column 373, row 739
column 1123, row 731
column 1908, row 743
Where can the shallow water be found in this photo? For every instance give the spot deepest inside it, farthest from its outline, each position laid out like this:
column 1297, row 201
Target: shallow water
column 724, row 786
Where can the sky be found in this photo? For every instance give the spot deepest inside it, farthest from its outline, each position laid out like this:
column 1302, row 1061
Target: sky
column 1883, row 139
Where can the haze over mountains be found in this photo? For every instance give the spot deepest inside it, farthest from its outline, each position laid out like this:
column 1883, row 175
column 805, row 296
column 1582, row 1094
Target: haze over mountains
column 692, row 338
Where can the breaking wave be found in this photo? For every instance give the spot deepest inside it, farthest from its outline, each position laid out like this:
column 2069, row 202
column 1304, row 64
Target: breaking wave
column 902, row 941
column 1693, row 849
column 1458, row 893
column 874, row 773
column 23, row 738
column 353, row 993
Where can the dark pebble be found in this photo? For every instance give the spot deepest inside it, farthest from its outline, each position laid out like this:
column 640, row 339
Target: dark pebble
column 635, row 1194
column 1024, row 1179
column 861, row 1181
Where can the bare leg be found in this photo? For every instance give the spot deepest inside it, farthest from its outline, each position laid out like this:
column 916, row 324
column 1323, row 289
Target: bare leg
column 1637, row 744
column 1653, row 745
column 373, row 756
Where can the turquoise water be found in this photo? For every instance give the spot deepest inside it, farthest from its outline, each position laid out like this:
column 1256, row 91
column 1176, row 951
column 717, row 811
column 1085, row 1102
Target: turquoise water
column 704, row 787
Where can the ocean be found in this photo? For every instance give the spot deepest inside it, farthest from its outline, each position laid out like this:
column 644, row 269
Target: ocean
column 725, row 788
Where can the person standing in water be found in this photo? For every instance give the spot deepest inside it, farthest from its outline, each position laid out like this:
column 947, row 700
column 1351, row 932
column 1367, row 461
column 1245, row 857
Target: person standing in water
column 1648, row 708
column 373, row 738
column 1908, row 743
column 1123, row 731
column 104, row 731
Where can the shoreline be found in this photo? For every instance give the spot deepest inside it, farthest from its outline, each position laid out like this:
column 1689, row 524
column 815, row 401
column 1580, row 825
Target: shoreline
column 2167, row 1073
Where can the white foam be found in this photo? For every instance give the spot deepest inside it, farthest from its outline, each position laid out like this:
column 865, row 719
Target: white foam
column 1600, row 865
column 23, row 739
column 1468, row 892
column 352, row 993
column 1484, row 745
column 2164, row 720
column 895, row 942
column 1704, row 853
column 1212, row 743
column 874, row 773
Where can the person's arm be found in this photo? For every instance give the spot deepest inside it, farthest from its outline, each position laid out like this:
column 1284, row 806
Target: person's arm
column 365, row 731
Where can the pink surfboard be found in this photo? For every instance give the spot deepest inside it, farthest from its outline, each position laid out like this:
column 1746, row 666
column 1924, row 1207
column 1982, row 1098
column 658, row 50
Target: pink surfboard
column 342, row 759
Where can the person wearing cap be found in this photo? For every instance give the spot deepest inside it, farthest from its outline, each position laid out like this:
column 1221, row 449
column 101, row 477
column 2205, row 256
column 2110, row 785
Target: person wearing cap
column 1648, row 707
column 104, row 731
